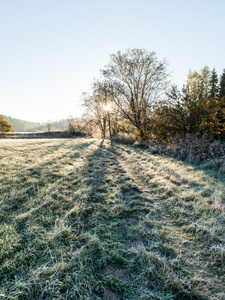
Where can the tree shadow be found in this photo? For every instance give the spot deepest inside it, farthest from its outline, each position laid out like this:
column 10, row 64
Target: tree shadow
column 108, row 225
column 116, row 212
column 30, row 181
column 211, row 172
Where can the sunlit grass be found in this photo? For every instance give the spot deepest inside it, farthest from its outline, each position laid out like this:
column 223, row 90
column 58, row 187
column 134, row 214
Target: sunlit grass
column 90, row 219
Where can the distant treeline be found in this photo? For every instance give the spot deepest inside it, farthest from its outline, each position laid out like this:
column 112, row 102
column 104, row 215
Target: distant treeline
column 26, row 126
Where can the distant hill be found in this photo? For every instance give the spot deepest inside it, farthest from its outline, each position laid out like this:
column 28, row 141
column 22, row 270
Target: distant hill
column 19, row 125
column 26, row 126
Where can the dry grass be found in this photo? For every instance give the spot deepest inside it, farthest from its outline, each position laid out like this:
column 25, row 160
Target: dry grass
column 193, row 149
column 90, row 219
column 124, row 138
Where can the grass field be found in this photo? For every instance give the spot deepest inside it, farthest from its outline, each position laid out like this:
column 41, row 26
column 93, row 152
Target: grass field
column 90, row 219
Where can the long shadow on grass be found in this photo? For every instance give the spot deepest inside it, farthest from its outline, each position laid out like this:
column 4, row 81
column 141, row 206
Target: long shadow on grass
column 104, row 230
column 185, row 188
column 28, row 240
column 116, row 238
column 160, row 245
column 219, row 177
column 101, row 243
column 43, row 174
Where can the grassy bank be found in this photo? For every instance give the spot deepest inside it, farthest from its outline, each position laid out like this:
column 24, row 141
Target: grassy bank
column 89, row 219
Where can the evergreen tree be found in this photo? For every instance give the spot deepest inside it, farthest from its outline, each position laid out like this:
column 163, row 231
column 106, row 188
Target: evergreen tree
column 197, row 110
column 198, row 85
column 222, row 85
column 5, row 126
column 214, row 89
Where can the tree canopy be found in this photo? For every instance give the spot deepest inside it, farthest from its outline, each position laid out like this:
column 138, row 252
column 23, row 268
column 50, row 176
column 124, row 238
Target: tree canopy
column 138, row 79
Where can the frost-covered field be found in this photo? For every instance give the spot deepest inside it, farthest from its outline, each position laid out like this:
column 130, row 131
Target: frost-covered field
column 90, row 219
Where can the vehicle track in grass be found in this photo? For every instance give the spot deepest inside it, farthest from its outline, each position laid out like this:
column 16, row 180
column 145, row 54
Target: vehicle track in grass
column 91, row 219
column 178, row 232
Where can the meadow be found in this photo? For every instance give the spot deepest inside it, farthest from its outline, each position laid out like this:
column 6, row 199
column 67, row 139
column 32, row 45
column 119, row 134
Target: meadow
column 92, row 219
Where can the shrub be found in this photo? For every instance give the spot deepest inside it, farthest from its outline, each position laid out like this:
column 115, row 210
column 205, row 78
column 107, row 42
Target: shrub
column 193, row 149
column 124, row 138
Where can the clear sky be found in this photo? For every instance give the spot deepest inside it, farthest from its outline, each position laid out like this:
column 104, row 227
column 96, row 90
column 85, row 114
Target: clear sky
column 50, row 50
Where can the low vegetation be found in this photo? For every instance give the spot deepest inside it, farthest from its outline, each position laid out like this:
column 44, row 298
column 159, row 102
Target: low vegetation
column 190, row 148
column 92, row 219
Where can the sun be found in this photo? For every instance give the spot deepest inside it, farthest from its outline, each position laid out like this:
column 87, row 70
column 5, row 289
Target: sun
column 107, row 107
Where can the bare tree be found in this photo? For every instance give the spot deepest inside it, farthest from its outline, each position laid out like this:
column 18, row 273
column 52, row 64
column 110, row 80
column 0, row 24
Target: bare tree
column 138, row 79
column 49, row 126
column 99, row 105
column 71, row 125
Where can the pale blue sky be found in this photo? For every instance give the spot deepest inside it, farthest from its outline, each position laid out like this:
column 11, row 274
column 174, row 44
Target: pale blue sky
column 52, row 49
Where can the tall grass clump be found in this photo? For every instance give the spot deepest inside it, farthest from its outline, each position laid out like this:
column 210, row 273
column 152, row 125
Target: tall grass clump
column 124, row 138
